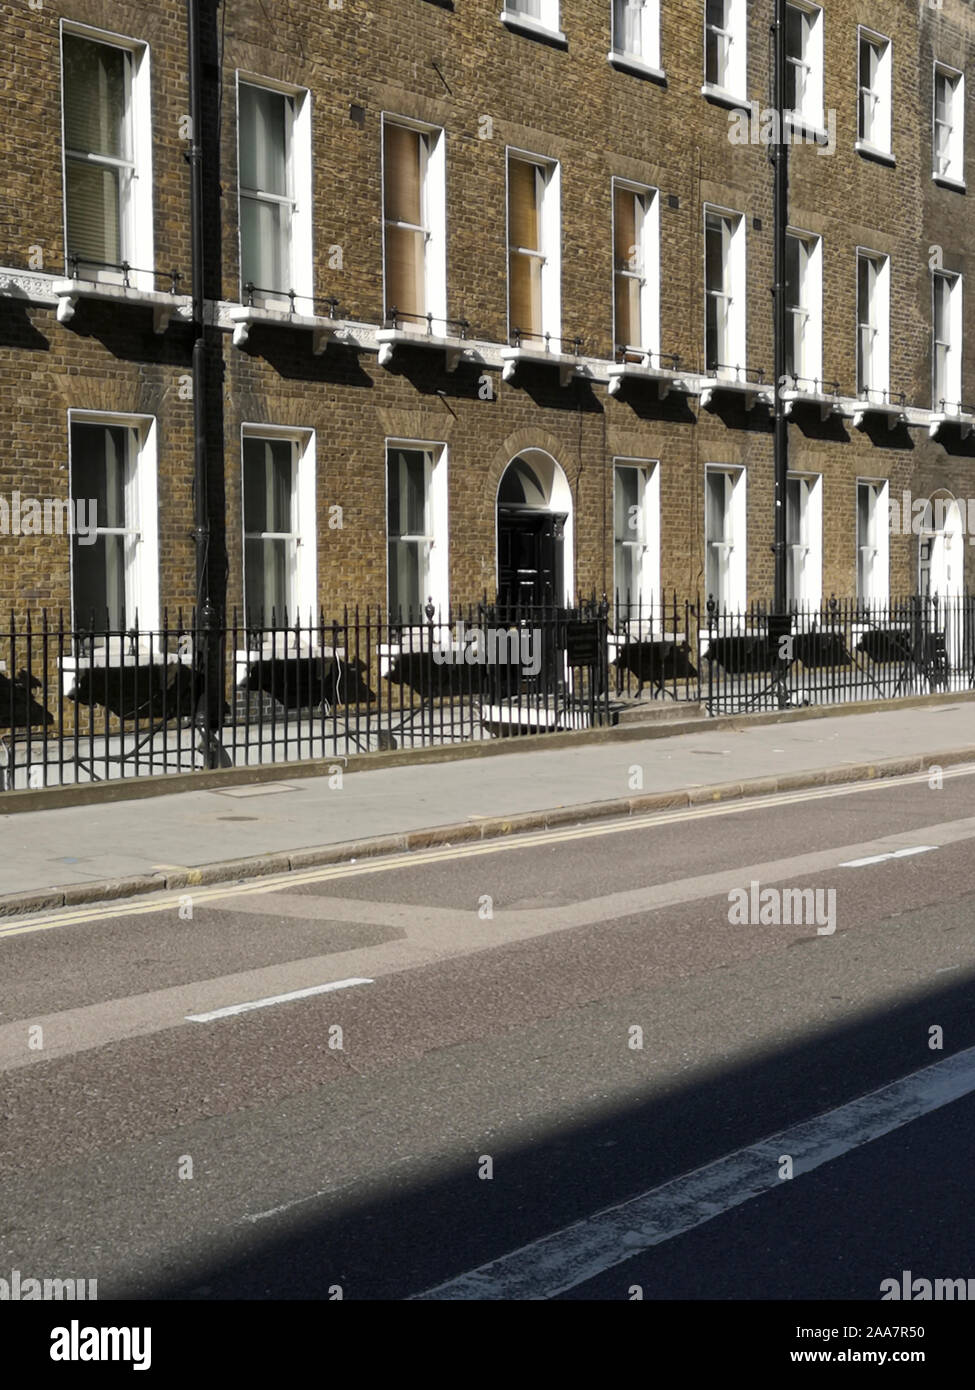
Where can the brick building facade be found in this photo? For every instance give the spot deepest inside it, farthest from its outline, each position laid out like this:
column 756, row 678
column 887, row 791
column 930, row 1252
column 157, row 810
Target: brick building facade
column 355, row 150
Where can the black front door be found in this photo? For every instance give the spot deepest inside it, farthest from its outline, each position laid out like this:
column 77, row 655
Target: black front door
column 529, row 558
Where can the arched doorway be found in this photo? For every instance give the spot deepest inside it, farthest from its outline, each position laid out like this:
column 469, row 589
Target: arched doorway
column 534, row 510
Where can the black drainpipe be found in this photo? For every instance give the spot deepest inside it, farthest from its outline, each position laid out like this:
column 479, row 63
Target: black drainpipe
column 210, row 703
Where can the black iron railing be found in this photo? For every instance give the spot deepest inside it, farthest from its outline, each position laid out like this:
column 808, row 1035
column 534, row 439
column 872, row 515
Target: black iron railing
column 459, row 328
column 739, row 659
column 125, row 269
column 108, row 700
column 103, row 700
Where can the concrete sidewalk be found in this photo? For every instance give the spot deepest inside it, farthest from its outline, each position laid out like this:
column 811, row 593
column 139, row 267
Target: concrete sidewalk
column 52, row 858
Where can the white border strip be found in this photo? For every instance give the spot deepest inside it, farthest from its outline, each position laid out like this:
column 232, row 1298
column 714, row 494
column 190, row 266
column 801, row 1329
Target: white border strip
column 581, row 1252
column 274, row 999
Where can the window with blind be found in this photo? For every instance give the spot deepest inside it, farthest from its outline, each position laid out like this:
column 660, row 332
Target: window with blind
column 414, row 231
column 636, row 259
column 278, row 492
column 274, row 195
column 416, row 529
column 533, row 250
column 107, row 157
column 113, row 579
column 267, row 199
column 271, row 536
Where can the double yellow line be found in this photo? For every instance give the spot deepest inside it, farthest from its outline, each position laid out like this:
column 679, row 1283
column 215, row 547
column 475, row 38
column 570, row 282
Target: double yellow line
column 415, row 859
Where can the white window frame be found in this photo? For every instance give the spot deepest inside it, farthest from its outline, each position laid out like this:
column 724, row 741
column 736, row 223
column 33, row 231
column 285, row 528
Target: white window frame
column 645, row 266
column 136, row 233
column 877, row 389
column 636, row 45
column 646, row 540
column 733, row 292
column 734, row 86
column 533, row 17
column 300, row 196
column 810, row 587
column 551, row 248
column 878, row 140
column 809, row 113
column 141, row 496
column 877, row 590
column 303, row 582
column 732, row 603
column 948, row 167
column 433, row 204
column 810, row 308
column 436, row 582
column 948, row 390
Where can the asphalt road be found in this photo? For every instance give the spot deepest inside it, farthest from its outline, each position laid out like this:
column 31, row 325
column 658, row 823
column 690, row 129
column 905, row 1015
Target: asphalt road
column 542, row 1030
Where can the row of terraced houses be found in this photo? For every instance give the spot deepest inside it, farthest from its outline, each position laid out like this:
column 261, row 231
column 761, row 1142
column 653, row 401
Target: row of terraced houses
column 488, row 304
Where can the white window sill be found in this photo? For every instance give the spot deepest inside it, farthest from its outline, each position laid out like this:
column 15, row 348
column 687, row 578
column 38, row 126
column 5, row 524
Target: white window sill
column 862, row 410
column 663, row 379
column 723, row 97
column 323, row 330
column 163, row 306
column 751, row 392
column 946, row 181
column 533, row 29
column 568, row 366
column 946, row 420
column 283, row 646
column 453, row 349
column 869, row 151
column 629, row 62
